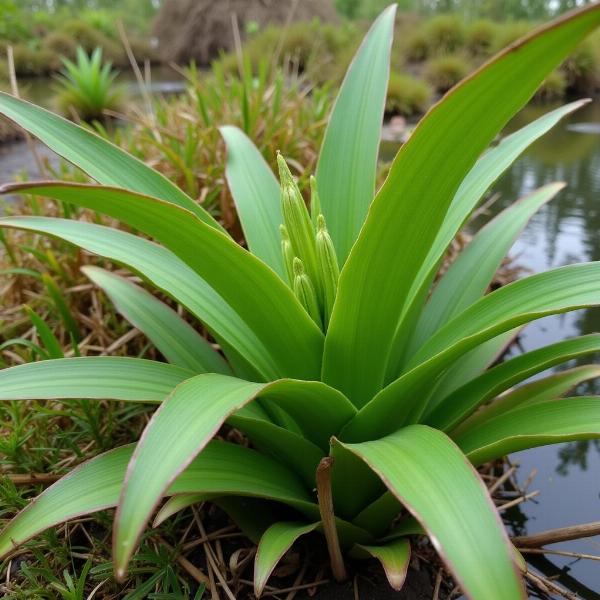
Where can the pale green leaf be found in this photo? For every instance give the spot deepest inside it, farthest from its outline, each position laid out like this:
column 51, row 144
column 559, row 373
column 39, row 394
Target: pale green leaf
column 393, row 556
column 408, row 211
column 466, row 399
column 274, row 543
column 255, row 192
column 168, row 273
column 347, row 165
column 540, row 390
column 540, row 424
column 473, row 363
column 485, row 172
column 263, row 301
column 176, row 504
column 437, row 485
column 222, row 469
column 556, row 291
column 177, row 341
column 179, row 430
column 470, row 275
column 298, row 453
column 94, row 377
column 100, row 159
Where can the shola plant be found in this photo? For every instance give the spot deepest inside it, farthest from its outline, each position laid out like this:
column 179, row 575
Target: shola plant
column 365, row 390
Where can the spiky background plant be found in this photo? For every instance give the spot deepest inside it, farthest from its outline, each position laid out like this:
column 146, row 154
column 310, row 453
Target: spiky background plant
column 87, row 87
column 365, row 397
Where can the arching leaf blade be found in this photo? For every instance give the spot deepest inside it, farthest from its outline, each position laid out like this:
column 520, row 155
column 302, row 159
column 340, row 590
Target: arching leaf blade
column 93, row 377
column 418, row 191
column 263, row 301
column 479, row 179
column 100, row 159
column 438, row 486
column 466, row 399
column 393, row 556
column 470, row 275
column 347, row 165
column 274, row 543
column 179, row 343
column 168, row 273
column 406, row 399
column 222, row 469
column 177, row 432
column 540, row 424
column 255, row 192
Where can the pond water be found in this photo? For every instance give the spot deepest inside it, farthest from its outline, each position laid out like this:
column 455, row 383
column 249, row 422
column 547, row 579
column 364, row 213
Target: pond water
column 566, row 230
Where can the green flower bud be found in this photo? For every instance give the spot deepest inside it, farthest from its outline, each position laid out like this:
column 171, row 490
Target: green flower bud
column 305, row 292
column 288, row 254
column 328, row 267
column 298, row 224
column 315, row 201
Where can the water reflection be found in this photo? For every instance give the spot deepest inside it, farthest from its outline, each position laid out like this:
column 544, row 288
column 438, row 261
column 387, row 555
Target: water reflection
column 567, row 230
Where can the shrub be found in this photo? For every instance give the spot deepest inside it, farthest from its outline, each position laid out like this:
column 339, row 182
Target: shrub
column 480, row 37
column 553, row 88
column 416, row 45
column 60, row 45
column 31, row 62
column 407, row 96
column 582, row 69
column 88, row 87
column 359, row 405
column 510, row 32
column 444, row 72
column 89, row 38
column 444, row 33
column 439, row 35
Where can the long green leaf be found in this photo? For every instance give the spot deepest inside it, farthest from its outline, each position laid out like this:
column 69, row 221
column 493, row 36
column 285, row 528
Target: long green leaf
column 274, row 543
column 101, row 160
column 46, row 335
column 473, row 363
column 164, row 270
column 264, row 302
column 178, row 431
column 559, row 290
column 536, row 425
column 548, row 388
column 297, row 452
column 555, row 291
column 470, row 275
column 479, row 179
column 176, row 504
column 347, row 164
column 179, row 343
column 393, row 556
column 222, row 469
column 466, row 399
column 434, row 481
column 407, row 213
column 94, row 377
column 255, row 192
column 540, row 390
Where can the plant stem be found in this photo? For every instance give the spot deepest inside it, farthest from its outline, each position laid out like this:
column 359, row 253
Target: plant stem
column 554, row 536
column 328, row 518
